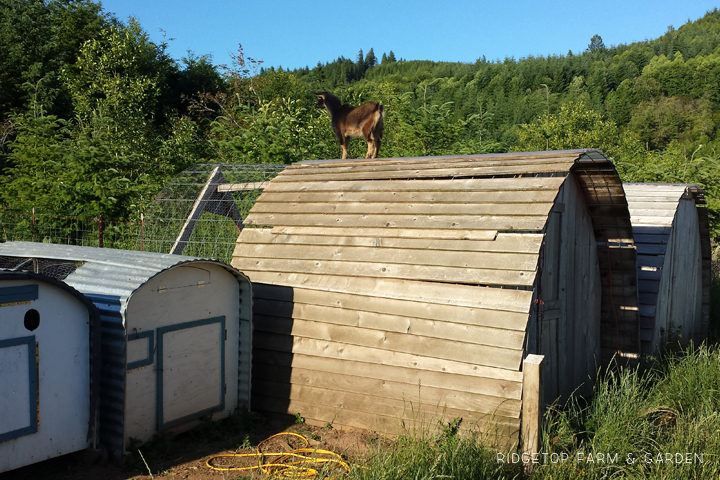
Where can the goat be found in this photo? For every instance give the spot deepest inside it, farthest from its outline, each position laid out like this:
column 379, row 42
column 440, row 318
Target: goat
column 347, row 121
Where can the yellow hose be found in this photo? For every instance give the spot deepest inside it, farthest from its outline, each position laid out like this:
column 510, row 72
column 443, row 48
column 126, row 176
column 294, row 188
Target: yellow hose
column 300, row 462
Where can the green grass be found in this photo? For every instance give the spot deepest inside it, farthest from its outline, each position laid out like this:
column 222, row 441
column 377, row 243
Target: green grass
column 638, row 417
column 444, row 452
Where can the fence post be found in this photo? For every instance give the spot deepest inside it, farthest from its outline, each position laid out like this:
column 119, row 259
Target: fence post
column 142, row 232
column 32, row 230
column 531, row 406
column 100, row 231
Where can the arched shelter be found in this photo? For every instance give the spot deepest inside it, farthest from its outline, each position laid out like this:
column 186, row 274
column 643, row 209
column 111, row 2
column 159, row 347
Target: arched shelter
column 388, row 288
column 176, row 334
column 672, row 234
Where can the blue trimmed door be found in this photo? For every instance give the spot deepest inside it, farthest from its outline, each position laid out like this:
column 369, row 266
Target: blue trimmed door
column 18, row 388
column 191, row 371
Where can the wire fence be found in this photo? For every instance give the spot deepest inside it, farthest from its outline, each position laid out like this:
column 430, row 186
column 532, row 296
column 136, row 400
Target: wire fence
column 198, row 213
column 36, row 226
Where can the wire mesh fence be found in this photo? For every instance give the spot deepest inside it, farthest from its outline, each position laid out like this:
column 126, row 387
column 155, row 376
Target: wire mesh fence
column 198, row 213
column 37, row 226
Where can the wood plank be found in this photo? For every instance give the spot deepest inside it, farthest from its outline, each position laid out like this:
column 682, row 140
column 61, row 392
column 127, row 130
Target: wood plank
column 655, row 220
column 270, row 311
column 650, row 249
column 383, row 232
column 355, row 353
column 458, row 222
column 460, row 185
column 242, row 187
column 480, row 157
column 277, row 381
column 651, row 260
column 408, row 208
column 475, row 260
column 480, row 384
column 647, row 238
column 411, row 408
column 468, row 276
column 653, row 205
column 651, row 230
column 423, row 162
column 505, row 242
column 489, row 356
column 340, row 417
column 532, row 404
column 486, row 317
column 496, row 197
column 426, row 171
column 443, row 294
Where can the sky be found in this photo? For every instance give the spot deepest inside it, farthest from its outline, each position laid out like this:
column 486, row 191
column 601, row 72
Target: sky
column 299, row 33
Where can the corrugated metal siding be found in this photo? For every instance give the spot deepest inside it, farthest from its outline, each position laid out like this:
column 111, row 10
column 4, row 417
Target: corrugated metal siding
column 112, row 381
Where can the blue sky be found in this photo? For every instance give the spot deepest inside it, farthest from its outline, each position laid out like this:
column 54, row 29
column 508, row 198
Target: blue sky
column 296, row 33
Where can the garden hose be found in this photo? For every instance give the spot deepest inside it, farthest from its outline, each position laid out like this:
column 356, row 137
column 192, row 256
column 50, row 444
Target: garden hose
column 303, row 462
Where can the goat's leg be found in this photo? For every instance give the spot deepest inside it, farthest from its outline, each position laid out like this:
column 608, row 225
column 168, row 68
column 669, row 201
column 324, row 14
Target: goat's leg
column 376, row 143
column 371, row 148
column 344, row 145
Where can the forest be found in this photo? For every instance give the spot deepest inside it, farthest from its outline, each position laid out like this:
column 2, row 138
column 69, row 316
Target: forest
column 95, row 117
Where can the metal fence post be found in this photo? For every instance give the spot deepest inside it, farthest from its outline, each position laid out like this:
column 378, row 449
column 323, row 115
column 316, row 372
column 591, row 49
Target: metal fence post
column 100, row 231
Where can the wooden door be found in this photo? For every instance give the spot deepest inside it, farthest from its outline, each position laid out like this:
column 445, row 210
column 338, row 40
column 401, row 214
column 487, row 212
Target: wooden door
column 191, row 371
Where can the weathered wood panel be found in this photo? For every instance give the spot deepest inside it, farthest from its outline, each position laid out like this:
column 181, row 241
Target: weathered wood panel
column 441, row 294
column 406, row 208
column 504, row 242
column 466, row 259
column 333, row 350
column 385, row 270
column 491, row 356
column 484, row 381
column 436, row 185
column 447, row 329
column 466, row 170
column 458, row 222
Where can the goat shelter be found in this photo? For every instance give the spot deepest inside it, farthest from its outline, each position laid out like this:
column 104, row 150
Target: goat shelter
column 386, row 290
column 49, row 369
column 176, row 334
column 672, row 235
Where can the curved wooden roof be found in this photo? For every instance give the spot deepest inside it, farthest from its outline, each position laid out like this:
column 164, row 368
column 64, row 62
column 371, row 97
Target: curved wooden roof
column 461, row 222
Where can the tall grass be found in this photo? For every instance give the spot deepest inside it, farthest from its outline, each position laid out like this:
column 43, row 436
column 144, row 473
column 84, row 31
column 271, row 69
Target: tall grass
column 662, row 422
column 436, row 453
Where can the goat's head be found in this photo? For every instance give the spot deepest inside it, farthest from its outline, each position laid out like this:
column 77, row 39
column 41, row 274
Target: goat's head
column 321, row 99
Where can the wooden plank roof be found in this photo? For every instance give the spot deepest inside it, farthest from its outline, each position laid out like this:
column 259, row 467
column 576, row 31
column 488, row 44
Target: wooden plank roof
column 413, row 219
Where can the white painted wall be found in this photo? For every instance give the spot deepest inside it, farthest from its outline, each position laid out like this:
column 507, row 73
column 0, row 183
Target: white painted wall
column 63, row 339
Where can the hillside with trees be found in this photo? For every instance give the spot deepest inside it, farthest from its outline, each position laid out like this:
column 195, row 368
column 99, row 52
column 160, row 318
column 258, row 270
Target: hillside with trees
column 95, row 117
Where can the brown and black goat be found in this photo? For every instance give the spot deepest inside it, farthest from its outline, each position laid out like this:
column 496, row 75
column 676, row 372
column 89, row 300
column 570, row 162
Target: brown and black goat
column 347, row 121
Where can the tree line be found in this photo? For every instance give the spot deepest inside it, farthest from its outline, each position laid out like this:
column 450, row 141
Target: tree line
column 96, row 118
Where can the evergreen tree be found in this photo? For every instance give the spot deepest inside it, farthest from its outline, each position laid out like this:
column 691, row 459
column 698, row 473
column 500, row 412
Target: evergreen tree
column 370, row 59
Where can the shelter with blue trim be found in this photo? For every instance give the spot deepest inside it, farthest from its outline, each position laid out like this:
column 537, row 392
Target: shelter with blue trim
column 176, row 334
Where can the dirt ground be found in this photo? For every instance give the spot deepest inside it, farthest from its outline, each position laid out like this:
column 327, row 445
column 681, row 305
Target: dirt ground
column 184, row 456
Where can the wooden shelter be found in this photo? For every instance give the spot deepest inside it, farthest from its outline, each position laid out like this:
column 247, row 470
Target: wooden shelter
column 49, row 369
column 176, row 334
column 672, row 235
column 392, row 291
